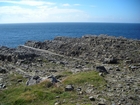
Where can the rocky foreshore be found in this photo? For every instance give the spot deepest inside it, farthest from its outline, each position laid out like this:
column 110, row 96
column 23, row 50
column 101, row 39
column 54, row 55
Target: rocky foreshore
column 92, row 47
column 117, row 60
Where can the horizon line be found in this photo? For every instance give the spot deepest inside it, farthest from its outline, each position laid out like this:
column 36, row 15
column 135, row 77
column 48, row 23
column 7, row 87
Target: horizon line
column 72, row 22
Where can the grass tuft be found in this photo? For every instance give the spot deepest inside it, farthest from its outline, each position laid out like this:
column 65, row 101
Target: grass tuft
column 90, row 77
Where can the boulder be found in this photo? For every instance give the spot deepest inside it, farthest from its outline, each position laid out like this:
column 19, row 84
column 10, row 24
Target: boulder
column 36, row 77
column 53, row 79
column 69, row 88
column 2, row 86
column 117, row 69
column 33, row 80
column 101, row 74
column 133, row 67
column 57, row 103
column 92, row 98
column 2, row 70
column 110, row 61
column 101, row 69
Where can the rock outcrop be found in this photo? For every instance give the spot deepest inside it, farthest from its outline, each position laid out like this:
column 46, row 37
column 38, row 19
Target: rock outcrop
column 104, row 48
column 115, row 59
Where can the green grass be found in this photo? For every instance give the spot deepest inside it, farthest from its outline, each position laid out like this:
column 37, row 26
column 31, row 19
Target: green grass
column 41, row 94
column 67, row 73
column 90, row 77
column 45, row 93
column 17, row 95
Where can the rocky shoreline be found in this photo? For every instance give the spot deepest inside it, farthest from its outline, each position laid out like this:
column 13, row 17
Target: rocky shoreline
column 117, row 60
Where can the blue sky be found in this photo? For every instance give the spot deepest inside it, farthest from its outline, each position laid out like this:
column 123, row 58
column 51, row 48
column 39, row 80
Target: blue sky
column 33, row 11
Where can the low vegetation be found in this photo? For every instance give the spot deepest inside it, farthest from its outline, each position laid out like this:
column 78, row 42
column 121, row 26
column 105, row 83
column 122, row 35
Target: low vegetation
column 90, row 77
column 46, row 93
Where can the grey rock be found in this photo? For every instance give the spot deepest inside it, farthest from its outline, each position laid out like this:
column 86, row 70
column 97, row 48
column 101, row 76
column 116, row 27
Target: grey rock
column 101, row 74
column 101, row 69
column 89, row 90
column 19, row 80
column 133, row 67
column 79, row 89
column 2, row 86
column 117, row 69
column 36, row 77
column 69, row 88
column 110, row 60
column 52, row 71
column 82, row 52
column 128, row 104
column 33, row 80
column 120, row 86
column 57, row 103
column 57, row 96
column 128, row 61
column 53, row 79
column 2, row 70
column 92, row 98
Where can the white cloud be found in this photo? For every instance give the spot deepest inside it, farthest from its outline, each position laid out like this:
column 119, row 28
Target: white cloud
column 40, row 13
column 66, row 5
column 30, row 2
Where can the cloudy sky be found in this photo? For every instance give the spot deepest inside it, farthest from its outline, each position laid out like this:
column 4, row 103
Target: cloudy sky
column 33, row 11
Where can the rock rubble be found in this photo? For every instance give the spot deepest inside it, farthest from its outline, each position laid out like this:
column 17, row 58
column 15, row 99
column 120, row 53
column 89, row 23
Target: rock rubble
column 116, row 59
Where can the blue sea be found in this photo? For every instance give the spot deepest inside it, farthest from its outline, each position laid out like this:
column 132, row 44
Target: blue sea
column 13, row 35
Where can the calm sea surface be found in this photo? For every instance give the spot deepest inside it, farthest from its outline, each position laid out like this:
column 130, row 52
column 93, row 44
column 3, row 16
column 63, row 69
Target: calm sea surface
column 12, row 35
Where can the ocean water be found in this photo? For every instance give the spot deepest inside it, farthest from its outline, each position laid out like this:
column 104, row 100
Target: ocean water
column 13, row 35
